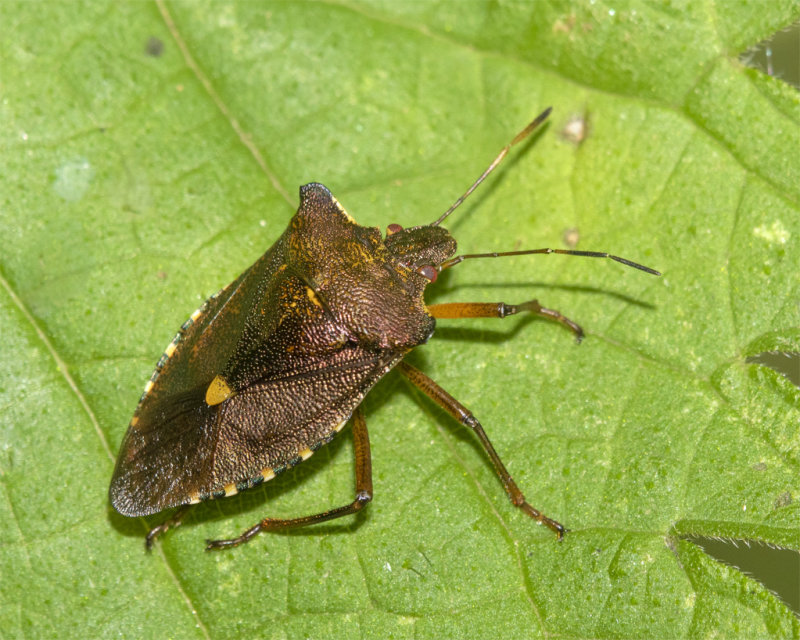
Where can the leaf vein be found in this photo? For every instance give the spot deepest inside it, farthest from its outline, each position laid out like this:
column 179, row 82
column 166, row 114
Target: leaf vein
column 244, row 137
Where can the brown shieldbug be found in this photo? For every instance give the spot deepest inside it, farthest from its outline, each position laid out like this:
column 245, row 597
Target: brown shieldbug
column 274, row 365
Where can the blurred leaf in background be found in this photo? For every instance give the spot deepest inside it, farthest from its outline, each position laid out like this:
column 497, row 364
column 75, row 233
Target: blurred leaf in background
column 151, row 152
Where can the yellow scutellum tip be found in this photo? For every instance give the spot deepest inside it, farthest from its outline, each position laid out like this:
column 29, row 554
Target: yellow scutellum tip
column 218, row 391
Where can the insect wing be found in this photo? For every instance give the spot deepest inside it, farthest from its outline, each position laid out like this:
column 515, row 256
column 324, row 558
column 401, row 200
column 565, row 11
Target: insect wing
column 291, row 394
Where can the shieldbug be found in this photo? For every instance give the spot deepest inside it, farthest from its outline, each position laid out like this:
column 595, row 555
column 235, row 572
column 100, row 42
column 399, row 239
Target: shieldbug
column 273, row 366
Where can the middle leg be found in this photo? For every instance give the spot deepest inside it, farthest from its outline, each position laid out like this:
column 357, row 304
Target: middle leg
column 465, row 417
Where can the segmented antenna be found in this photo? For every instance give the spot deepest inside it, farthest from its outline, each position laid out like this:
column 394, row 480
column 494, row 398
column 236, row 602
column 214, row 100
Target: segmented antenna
column 518, row 138
column 469, row 256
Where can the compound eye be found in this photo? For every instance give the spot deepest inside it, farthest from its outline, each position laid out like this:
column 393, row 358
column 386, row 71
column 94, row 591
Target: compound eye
column 428, row 272
column 393, row 228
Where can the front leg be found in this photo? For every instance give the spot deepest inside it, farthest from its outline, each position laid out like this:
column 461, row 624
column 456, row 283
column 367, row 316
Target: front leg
column 455, row 310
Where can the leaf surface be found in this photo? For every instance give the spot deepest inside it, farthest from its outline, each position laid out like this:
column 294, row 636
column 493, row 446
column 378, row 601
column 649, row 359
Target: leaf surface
column 151, row 152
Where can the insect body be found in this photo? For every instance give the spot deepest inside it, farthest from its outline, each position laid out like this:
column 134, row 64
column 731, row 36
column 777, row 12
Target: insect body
column 273, row 366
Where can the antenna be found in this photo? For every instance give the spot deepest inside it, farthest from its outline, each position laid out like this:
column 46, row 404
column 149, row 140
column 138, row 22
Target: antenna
column 568, row 252
column 518, row 138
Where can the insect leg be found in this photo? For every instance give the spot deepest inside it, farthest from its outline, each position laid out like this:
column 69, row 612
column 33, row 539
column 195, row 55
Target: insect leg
column 363, row 493
column 170, row 523
column 501, row 310
column 465, row 417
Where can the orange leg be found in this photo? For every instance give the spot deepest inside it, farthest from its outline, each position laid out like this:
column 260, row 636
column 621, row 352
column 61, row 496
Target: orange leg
column 465, row 417
column 456, row 310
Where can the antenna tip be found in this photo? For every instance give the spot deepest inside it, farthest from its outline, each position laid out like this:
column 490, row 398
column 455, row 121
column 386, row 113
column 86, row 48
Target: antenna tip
column 527, row 130
column 541, row 117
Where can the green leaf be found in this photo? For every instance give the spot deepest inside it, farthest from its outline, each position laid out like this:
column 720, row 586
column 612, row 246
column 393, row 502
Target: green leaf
column 151, row 152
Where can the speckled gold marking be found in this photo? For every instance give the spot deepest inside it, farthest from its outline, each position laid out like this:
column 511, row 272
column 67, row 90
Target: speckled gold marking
column 230, row 490
column 268, row 474
column 282, row 268
column 194, row 498
column 305, row 454
column 313, row 297
column 134, row 421
column 218, row 391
